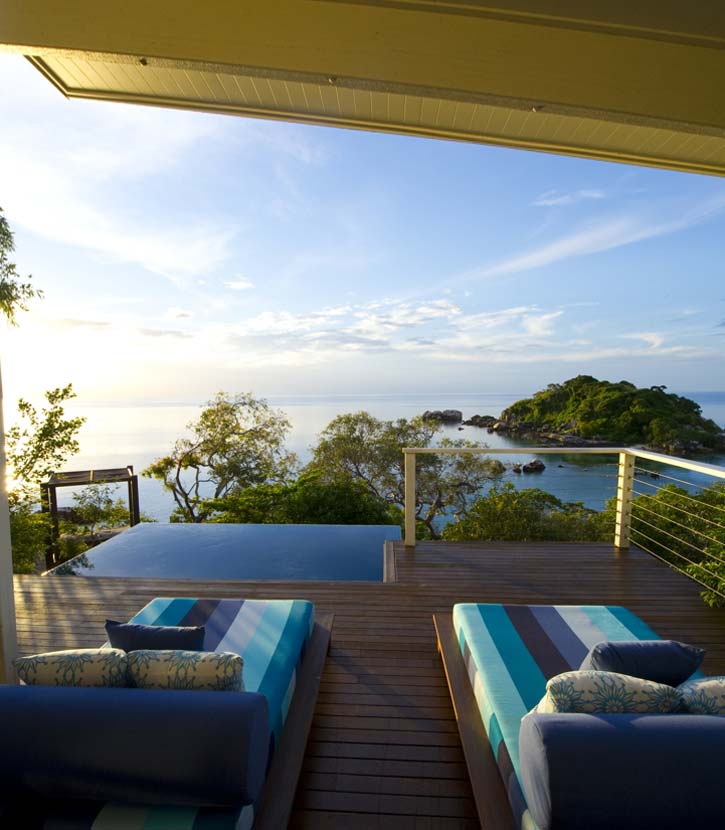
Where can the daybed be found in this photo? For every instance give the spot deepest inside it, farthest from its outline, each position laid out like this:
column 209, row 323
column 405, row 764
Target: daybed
column 108, row 759
column 566, row 771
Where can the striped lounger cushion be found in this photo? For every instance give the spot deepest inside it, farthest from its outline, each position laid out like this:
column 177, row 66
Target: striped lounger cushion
column 510, row 652
column 271, row 636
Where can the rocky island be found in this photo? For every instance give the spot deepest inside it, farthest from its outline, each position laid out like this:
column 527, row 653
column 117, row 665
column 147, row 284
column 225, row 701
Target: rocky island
column 584, row 411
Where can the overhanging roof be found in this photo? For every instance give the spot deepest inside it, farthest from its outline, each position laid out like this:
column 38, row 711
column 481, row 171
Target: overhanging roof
column 601, row 80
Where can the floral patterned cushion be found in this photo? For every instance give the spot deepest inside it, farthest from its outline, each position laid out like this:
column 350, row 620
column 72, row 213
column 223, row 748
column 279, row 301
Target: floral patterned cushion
column 601, row 692
column 704, row 696
column 202, row 670
column 75, row 667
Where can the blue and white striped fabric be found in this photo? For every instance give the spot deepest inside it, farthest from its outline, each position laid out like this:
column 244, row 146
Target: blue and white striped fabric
column 270, row 636
column 511, row 651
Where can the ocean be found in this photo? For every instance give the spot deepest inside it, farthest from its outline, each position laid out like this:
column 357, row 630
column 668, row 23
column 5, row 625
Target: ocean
column 118, row 435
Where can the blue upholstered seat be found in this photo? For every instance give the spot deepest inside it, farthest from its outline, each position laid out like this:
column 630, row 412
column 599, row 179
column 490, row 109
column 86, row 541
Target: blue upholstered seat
column 270, row 636
column 510, row 651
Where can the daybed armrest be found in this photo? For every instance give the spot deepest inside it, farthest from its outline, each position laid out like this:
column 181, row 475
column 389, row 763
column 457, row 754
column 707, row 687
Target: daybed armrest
column 623, row 771
column 133, row 745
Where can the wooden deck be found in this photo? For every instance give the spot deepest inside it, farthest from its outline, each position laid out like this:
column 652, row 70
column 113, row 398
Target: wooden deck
column 384, row 750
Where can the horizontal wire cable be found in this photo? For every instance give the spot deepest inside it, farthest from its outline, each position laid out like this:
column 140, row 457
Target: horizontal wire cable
column 681, row 541
column 687, row 497
column 679, row 570
column 675, row 553
column 678, row 509
column 670, row 478
column 720, row 542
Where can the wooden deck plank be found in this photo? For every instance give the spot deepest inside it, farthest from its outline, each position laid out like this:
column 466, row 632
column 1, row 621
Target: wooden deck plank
column 384, row 751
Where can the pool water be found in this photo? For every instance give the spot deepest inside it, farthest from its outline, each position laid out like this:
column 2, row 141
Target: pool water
column 239, row 551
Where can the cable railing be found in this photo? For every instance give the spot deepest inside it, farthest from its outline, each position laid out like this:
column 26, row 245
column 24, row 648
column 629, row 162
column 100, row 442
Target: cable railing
column 679, row 521
column 683, row 524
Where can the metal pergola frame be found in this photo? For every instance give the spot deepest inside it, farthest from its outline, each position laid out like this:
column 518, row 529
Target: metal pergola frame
column 82, row 478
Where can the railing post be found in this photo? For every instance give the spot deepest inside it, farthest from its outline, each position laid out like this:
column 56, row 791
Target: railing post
column 8, row 635
column 625, row 491
column 409, row 499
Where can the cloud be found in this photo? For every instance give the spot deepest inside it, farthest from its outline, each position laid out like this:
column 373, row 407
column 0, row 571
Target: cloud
column 597, row 238
column 239, row 284
column 179, row 314
column 175, row 333
column 653, row 339
column 73, row 323
column 287, row 322
column 540, row 324
column 45, row 198
column 96, row 179
column 552, row 198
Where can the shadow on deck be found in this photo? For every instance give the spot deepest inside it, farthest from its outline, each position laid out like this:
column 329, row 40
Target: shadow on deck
column 384, row 749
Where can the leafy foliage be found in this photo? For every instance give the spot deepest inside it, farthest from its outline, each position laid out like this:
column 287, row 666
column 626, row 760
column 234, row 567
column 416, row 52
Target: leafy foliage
column 14, row 294
column 96, row 508
column 237, row 442
column 363, row 448
column 506, row 513
column 308, row 500
column 42, row 441
column 617, row 412
column 688, row 531
column 29, row 531
column 37, row 446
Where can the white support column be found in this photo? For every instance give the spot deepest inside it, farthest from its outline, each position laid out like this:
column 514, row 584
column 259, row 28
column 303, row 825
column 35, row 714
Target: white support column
column 625, row 491
column 409, row 499
column 8, row 635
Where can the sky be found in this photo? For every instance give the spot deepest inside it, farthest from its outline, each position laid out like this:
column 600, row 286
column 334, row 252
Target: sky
column 183, row 253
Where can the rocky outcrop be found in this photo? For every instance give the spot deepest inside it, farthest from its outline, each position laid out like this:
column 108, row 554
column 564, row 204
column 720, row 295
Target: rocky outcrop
column 483, row 421
column 443, row 416
column 534, row 466
column 544, row 438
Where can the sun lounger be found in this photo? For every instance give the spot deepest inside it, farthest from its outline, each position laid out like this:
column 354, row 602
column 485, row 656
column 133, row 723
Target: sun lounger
column 283, row 647
column 498, row 659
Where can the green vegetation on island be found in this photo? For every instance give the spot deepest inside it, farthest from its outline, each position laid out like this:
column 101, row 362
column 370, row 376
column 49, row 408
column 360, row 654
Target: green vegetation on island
column 619, row 413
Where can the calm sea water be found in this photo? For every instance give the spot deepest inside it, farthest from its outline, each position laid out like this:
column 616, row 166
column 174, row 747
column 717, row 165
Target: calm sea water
column 115, row 436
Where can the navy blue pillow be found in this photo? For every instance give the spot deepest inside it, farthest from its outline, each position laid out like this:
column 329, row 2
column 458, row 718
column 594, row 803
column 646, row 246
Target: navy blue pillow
column 662, row 661
column 134, row 637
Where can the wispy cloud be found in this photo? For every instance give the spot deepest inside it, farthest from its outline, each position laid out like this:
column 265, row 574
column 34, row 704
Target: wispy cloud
column 175, row 313
column 175, row 333
column 435, row 330
column 596, row 238
column 239, row 284
column 654, row 339
column 552, row 198
column 76, row 323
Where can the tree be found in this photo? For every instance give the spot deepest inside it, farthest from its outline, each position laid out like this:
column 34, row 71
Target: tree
column 308, row 500
column 95, row 508
column 36, row 446
column 506, row 513
column 14, row 294
column 42, row 441
column 237, row 442
column 363, row 448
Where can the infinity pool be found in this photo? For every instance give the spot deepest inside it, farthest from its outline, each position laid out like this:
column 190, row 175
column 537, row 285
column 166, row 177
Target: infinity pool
column 239, row 551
